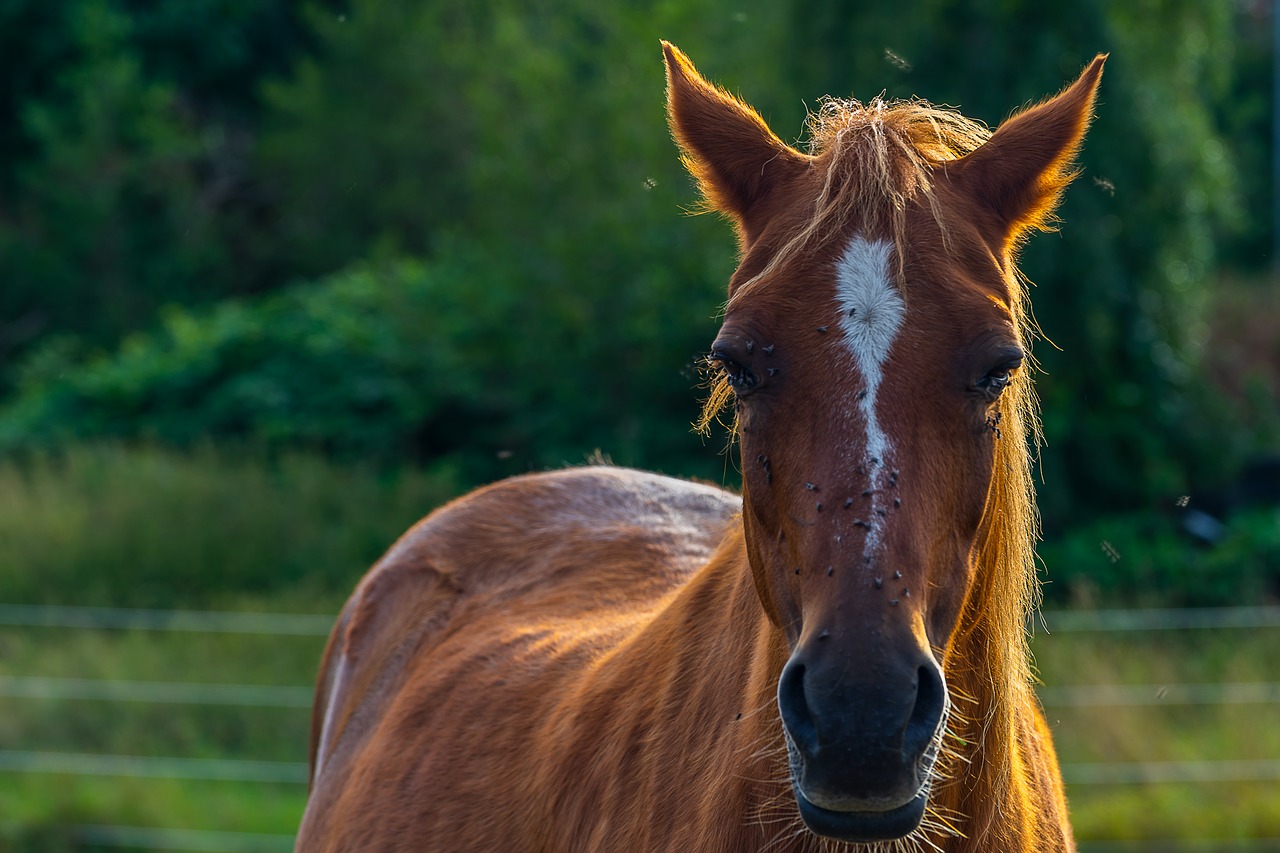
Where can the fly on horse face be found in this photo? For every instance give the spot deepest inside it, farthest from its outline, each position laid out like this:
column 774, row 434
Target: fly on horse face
column 601, row 659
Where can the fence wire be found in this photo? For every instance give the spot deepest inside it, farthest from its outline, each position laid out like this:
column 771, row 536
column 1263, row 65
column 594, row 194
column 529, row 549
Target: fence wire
column 153, row 767
column 153, row 838
column 218, row 622
column 300, row 696
column 174, row 692
column 292, row 772
column 319, row 625
column 316, row 625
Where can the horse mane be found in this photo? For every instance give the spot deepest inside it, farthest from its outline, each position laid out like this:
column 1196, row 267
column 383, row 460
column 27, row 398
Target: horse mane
column 876, row 158
column 873, row 161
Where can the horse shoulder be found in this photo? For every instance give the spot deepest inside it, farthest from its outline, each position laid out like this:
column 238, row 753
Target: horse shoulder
column 487, row 572
column 398, row 605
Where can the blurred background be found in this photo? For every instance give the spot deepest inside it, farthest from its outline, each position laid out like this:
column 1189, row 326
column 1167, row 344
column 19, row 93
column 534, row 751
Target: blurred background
column 278, row 278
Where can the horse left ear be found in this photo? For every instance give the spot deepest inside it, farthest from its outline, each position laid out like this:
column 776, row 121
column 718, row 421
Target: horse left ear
column 1021, row 171
column 737, row 160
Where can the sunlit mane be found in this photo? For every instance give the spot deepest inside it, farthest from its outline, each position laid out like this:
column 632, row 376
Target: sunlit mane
column 876, row 158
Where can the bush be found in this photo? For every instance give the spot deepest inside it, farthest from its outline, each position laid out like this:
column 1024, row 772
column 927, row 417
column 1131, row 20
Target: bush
column 468, row 358
column 357, row 365
column 1147, row 560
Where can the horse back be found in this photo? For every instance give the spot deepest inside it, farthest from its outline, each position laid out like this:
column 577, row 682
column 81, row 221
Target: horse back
column 477, row 597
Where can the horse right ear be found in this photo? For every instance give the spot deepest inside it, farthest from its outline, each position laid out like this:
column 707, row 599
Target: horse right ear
column 735, row 157
column 1019, row 174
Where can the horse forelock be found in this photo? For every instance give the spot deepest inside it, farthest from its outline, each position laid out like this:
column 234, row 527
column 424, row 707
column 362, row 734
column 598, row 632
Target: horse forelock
column 871, row 162
column 877, row 157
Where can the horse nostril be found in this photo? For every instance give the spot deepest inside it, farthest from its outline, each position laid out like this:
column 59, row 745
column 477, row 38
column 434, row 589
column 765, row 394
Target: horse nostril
column 926, row 715
column 794, row 707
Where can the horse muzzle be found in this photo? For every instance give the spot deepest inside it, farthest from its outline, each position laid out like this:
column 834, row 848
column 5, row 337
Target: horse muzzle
column 862, row 742
column 862, row 826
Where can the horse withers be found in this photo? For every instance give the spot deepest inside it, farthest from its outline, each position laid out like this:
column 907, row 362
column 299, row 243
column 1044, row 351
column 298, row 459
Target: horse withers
column 600, row 659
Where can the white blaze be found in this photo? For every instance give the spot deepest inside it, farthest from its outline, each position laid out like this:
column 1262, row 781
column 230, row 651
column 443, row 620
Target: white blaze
column 871, row 311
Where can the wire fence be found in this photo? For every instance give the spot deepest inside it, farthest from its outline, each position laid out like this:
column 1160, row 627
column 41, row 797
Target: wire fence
column 319, row 625
column 168, row 692
column 282, row 696
column 134, row 619
column 151, row 838
column 153, row 767
column 299, row 697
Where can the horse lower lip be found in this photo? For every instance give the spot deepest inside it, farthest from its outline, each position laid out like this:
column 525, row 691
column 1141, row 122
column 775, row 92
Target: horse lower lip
column 862, row 826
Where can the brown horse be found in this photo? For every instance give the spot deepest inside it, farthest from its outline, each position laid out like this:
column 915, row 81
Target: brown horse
column 606, row 660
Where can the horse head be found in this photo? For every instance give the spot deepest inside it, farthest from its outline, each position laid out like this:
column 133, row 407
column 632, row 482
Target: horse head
column 875, row 347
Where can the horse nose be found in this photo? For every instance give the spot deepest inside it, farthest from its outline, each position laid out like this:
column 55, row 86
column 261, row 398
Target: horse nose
column 861, row 731
column 793, row 706
column 928, row 711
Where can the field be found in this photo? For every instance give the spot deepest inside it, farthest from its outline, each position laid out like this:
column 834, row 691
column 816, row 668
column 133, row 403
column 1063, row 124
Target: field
column 47, row 811
column 1170, row 739
column 1188, row 714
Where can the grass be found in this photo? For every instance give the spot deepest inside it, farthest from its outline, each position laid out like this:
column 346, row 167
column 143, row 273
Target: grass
column 1167, row 732
column 111, row 526
column 38, row 808
column 143, row 527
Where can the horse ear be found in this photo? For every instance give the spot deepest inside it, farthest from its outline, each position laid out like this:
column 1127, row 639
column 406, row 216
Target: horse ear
column 1019, row 174
column 726, row 146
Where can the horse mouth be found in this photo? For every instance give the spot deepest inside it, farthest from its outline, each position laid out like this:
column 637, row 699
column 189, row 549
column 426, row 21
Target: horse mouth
column 862, row 826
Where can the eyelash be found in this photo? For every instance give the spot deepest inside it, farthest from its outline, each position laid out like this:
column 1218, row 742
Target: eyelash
column 740, row 379
column 997, row 379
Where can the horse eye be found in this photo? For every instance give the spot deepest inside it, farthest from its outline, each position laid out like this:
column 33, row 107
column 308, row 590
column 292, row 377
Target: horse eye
column 740, row 379
column 996, row 381
column 998, row 378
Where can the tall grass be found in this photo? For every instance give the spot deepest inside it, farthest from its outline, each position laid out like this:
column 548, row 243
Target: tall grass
column 1167, row 731
column 144, row 527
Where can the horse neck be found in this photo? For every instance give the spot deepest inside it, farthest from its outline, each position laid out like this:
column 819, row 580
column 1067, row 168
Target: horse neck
column 716, row 631
column 693, row 692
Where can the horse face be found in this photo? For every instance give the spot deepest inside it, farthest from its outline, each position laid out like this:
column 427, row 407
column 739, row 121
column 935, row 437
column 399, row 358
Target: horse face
column 868, row 411
column 872, row 346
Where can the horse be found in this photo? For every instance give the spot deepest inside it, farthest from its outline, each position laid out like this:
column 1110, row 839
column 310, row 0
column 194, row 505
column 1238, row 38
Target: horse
column 601, row 659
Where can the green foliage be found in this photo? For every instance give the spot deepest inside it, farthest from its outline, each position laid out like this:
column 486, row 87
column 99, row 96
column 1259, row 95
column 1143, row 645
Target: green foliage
column 151, row 528
column 124, row 149
column 1145, row 560
column 338, row 365
column 370, row 142
column 394, row 362
column 518, row 149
